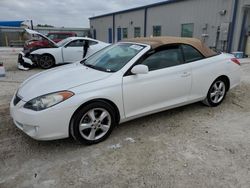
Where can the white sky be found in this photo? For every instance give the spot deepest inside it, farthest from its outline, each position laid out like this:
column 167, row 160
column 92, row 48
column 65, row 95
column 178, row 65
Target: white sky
column 67, row 13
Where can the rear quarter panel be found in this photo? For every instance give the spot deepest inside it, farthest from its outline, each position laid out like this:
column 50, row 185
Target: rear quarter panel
column 206, row 71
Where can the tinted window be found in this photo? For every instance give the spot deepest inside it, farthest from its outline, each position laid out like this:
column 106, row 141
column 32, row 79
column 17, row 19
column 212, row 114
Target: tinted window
column 92, row 42
column 63, row 42
column 164, row 58
column 76, row 43
column 191, row 54
column 63, row 36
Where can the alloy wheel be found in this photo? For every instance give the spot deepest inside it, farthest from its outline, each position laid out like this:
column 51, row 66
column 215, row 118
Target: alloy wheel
column 218, row 92
column 95, row 124
column 46, row 62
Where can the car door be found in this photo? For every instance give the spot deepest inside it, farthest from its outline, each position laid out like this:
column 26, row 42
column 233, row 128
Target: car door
column 167, row 83
column 203, row 72
column 73, row 51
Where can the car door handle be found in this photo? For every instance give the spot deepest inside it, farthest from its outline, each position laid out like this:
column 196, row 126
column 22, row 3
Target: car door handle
column 185, row 74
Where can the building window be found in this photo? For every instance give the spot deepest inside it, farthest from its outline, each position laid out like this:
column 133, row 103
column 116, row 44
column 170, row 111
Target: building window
column 124, row 33
column 137, row 32
column 156, row 30
column 187, row 30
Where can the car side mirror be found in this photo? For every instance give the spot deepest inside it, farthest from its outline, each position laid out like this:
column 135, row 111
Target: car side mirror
column 140, row 69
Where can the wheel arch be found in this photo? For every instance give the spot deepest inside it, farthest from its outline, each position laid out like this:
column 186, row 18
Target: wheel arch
column 226, row 79
column 49, row 54
column 103, row 100
column 223, row 77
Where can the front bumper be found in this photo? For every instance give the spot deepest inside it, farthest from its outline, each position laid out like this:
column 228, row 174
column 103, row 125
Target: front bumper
column 49, row 124
column 27, row 61
column 22, row 59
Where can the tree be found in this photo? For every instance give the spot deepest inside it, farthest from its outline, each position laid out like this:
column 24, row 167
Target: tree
column 44, row 25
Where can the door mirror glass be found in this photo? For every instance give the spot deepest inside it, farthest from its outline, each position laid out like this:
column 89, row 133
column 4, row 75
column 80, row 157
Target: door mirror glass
column 140, row 69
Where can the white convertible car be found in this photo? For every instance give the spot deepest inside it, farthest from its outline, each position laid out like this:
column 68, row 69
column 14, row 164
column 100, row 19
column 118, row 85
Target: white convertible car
column 68, row 50
column 122, row 82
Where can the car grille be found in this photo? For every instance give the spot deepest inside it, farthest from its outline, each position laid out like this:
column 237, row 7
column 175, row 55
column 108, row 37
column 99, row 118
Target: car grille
column 16, row 100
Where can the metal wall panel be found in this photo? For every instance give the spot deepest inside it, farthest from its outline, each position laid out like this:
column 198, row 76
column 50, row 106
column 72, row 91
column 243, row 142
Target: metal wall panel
column 207, row 16
column 130, row 20
column 102, row 26
column 203, row 13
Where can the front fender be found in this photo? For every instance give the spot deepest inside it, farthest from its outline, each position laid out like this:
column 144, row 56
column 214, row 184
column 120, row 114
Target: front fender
column 55, row 52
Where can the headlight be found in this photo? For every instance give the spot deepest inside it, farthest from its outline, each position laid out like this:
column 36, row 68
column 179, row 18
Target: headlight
column 49, row 100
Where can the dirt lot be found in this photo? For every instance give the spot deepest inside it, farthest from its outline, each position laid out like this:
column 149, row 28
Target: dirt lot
column 192, row 146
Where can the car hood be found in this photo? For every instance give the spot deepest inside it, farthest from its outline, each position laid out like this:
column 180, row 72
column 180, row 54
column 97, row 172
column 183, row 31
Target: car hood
column 32, row 32
column 59, row 79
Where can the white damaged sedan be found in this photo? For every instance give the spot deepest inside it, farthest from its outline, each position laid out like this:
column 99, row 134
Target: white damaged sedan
column 122, row 82
column 69, row 50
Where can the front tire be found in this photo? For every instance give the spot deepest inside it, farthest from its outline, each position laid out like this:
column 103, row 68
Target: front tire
column 46, row 61
column 93, row 123
column 216, row 93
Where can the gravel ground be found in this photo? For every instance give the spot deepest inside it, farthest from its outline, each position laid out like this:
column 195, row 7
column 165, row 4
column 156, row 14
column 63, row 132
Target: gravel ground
column 191, row 146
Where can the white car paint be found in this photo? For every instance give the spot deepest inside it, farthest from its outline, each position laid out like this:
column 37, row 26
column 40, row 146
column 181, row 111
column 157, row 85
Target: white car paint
column 64, row 53
column 133, row 95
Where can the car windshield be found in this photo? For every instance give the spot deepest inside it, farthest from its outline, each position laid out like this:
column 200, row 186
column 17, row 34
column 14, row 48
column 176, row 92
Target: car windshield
column 114, row 57
column 63, row 42
column 52, row 36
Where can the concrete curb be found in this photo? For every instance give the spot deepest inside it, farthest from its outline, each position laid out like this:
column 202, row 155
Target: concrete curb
column 9, row 49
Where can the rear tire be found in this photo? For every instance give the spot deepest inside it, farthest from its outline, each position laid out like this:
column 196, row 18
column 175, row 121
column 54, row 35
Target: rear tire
column 46, row 61
column 216, row 93
column 93, row 123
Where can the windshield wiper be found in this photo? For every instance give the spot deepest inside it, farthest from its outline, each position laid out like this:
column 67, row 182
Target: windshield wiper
column 89, row 65
column 95, row 67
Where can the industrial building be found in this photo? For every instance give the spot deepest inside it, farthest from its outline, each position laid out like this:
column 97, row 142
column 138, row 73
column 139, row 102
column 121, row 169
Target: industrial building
column 221, row 24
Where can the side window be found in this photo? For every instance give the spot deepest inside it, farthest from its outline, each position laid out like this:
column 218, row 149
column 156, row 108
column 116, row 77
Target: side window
column 62, row 36
column 92, row 42
column 76, row 43
column 164, row 58
column 191, row 54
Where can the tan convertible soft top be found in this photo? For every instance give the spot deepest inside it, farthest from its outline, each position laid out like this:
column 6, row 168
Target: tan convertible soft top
column 156, row 42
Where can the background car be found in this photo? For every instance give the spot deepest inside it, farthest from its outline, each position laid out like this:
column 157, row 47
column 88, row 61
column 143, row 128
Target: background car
column 69, row 50
column 41, row 42
column 58, row 36
column 122, row 82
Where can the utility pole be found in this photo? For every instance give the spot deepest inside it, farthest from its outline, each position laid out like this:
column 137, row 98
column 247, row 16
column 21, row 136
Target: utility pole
column 31, row 24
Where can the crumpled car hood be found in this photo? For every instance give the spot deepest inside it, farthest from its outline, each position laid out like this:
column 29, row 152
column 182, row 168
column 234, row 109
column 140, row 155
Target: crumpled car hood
column 32, row 32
